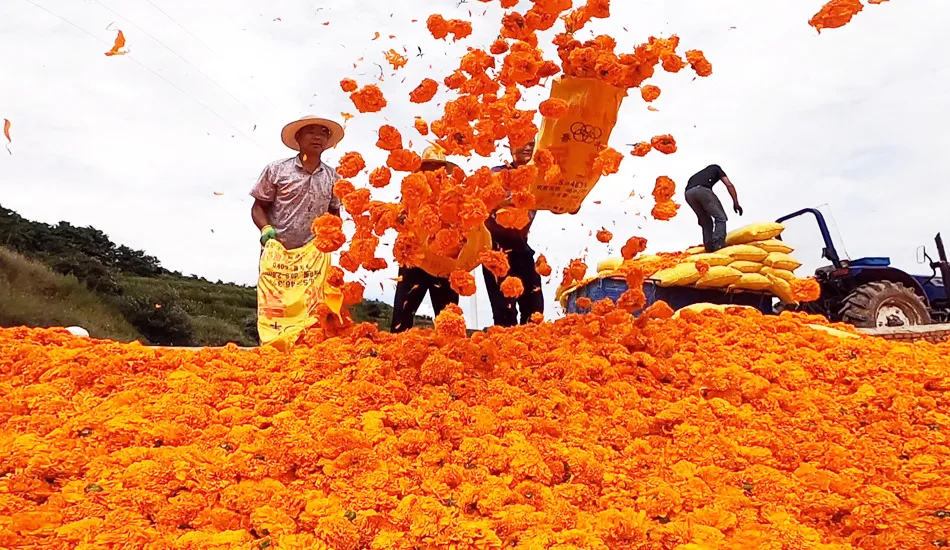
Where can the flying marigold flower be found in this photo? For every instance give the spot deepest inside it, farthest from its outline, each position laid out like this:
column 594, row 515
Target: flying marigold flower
column 368, row 99
column 641, row 149
column 356, row 202
column 583, row 303
column 425, row 91
column 633, row 247
column 421, row 126
column 396, row 59
column 495, row 261
column 835, row 14
column 512, row 218
column 698, row 62
column 664, row 144
column 632, row 300
column 664, row 189
column 415, row 189
column 343, row 188
column 348, row 85
column 352, row 293
column 335, row 277
column 541, row 266
column 389, row 138
column 462, row 283
column 702, row 267
column 608, row 160
column 649, row 93
column 806, row 290
column 553, row 108
column 665, row 210
column 512, row 287
column 404, row 160
column 499, row 46
column 577, row 269
column 328, row 233
column 604, row 236
column 351, row 164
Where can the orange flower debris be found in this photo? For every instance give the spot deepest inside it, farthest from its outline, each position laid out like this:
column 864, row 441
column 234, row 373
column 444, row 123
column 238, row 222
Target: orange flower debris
column 541, row 266
column 835, row 14
column 641, row 149
column 421, row 126
column 553, row 108
column 496, row 262
column 389, row 138
column 463, row 283
column 348, row 85
column 117, row 47
column 440, row 28
column 633, row 247
column 380, row 177
column 512, row 287
column 649, row 93
column 368, row 99
column 604, row 236
column 425, row 91
column 698, row 62
column 396, row 59
column 351, row 164
column 664, row 144
column 328, row 233
column 608, row 161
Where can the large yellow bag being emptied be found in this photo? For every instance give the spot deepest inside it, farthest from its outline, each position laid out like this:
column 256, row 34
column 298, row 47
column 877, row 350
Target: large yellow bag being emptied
column 744, row 252
column 292, row 284
column 476, row 241
column 753, row 281
column 782, row 290
column 610, row 264
column 831, row 331
column 712, row 259
column 695, row 250
column 678, row 275
column 719, row 276
column 780, row 273
column 773, row 245
column 761, row 231
column 746, row 267
column 777, row 260
column 575, row 139
column 706, row 306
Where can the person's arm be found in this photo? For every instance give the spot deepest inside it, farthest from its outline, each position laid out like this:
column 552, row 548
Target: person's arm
column 259, row 213
column 334, row 207
column 732, row 193
column 264, row 193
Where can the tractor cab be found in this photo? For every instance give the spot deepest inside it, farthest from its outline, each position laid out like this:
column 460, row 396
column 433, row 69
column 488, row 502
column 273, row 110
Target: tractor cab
column 869, row 292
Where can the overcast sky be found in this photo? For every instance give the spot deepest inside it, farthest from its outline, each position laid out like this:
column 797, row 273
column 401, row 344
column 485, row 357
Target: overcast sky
column 137, row 145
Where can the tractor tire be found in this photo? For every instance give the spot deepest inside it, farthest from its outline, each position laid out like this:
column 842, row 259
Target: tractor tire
column 884, row 304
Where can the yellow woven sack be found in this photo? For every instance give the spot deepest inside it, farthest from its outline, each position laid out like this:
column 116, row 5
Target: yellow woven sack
column 744, row 252
column 695, row 250
column 780, row 273
column 713, row 259
column 782, row 290
column 831, row 331
column 778, row 260
column 477, row 240
column 292, row 284
column 719, row 276
column 575, row 139
column 761, row 231
column 705, row 306
column 753, row 281
column 610, row 264
column 680, row 275
column 773, row 245
column 746, row 267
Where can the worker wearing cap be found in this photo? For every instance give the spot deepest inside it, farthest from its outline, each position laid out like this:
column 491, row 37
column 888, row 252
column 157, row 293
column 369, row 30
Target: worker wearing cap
column 704, row 202
column 432, row 274
column 514, row 242
column 293, row 192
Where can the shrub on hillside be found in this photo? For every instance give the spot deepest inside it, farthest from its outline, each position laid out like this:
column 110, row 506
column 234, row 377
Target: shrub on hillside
column 159, row 318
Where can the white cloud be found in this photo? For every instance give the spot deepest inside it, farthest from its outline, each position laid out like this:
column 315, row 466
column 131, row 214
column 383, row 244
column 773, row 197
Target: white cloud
column 853, row 118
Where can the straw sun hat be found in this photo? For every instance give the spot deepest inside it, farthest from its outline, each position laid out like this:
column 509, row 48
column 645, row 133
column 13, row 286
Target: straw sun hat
column 289, row 134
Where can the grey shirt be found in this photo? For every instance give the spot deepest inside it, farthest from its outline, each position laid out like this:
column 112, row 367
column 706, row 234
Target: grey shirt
column 297, row 198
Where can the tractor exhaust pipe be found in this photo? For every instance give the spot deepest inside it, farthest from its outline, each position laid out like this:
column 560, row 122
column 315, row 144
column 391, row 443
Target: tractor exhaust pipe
column 944, row 266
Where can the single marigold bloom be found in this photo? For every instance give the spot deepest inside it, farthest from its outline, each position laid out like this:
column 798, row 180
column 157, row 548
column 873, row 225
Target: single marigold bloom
column 438, row 26
column 608, row 160
column 328, row 233
column 665, row 210
column 459, row 28
column 356, row 202
column 553, row 108
column 450, row 325
column 604, row 236
column 425, row 91
column 702, row 267
column 396, row 59
column 698, row 62
column 633, row 247
column 552, row 175
column 404, row 160
column 806, row 290
column 350, row 261
column 348, row 85
column 415, row 189
column 389, row 138
column 577, row 269
column 455, row 80
column 351, row 164
column 407, row 250
column 664, row 189
column 584, row 303
column 352, row 293
column 376, row 264
column 446, row 242
column 672, row 63
column 495, row 261
column 536, row 318
column 421, row 126
column 368, row 99
column 499, row 46
column 380, row 177
column 512, row 287
column 632, row 300
column 343, row 188
column 335, row 277
column 641, row 149
column 664, row 144
column 835, row 14
column 512, row 218
column 544, row 159
column 649, row 93
column 523, row 199
column 541, row 266
column 463, row 283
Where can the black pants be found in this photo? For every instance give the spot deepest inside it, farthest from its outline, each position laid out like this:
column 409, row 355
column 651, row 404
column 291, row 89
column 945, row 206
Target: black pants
column 505, row 310
column 411, row 290
column 711, row 215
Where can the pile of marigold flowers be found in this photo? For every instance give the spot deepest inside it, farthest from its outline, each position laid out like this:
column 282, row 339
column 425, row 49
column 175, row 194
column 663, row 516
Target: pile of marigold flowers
column 700, row 431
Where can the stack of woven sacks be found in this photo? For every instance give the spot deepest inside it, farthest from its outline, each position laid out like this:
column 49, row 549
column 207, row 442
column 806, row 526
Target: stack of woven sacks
column 753, row 259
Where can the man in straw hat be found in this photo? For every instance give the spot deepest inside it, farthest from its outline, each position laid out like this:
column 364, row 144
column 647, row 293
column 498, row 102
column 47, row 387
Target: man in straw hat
column 431, row 275
column 293, row 192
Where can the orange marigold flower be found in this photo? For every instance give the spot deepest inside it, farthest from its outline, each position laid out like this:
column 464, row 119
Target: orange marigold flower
column 352, row 293
column 380, row 177
column 523, row 199
column 604, row 236
column 664, row 144
column 512, row 218
column 348, row 85
column 407, row 250
column 507, row 4
column 633, row 247
column 351, row 164
column 425, row 91
column 641, row 149
column 335, row 277
column 632, row 300
column 376, row 264
column 835, row 14
column 396, row 59
column 544, row 159
column 455, row 80
column 553, row 108
column 536, row 318
column 446, row 242
column 438, row 26
column 608, row 161
column 649, row 93
column 462, row 283
column 665, row 210
column 459, row 28
column 806, row 290
column 702, row 267
column 583, row 303
column 512, row 287
column 499, row 46
column 664, row 189
column 421, row 126
column 449, row 325
column 356, row 202
column 577, row 269
column 368, row 99
column 389, row 138
column 404, row 160
column 495, row 261
column 343, row 188
column 328, row 233
column 698, row 62
column 541, row 266
column 349, row 261
column 415, row 189
column 672, row 63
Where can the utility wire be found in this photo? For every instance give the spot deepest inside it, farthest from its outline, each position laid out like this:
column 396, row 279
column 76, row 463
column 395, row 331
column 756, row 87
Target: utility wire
column 149, row 69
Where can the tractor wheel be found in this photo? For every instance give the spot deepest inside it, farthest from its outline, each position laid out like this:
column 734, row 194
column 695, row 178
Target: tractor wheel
column 884, row 304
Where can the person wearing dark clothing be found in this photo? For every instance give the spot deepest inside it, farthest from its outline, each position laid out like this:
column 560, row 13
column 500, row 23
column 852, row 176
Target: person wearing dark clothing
column 514, row 242
column 414, row 283
column 704, row 202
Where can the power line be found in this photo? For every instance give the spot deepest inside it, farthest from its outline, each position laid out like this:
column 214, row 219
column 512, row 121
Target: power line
column 140, row 64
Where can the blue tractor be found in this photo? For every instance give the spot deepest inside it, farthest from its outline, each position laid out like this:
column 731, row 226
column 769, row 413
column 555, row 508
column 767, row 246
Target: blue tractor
column 870, row 292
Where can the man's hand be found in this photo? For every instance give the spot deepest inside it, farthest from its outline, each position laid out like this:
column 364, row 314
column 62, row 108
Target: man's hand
column 737, row 208
column 267, row 233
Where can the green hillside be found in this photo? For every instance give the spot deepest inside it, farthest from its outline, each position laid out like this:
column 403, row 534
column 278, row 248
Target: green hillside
column 62, row 275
